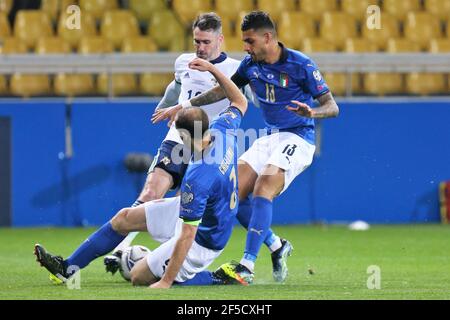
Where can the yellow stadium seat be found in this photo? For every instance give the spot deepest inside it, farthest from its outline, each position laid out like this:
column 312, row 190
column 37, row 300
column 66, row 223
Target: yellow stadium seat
column 122, row 84
column 144, row 9
column 13, row 45
column 336, row 27
column 356, row 8
column 5, row 29
column 30, row 85
column 360, row 45
column 54, row 7
column 311, row 45
column 420, row 27
column 95, row 45
column 401, row 45
column 73, row 36
column 440, row 45
column 438, row 8
column 173, row 37
column 303, row 25
column 49, row 45
column 187, row 11
column 5, row 6
column 230, row 9
column 337, row 82
column 74, row 85
column 383, row 83
column 389, row 29
column 316, row 9
column 3, row 85
column 118, row 25
column 233, row 44
column 276, row 8
column 97, row 7
column 426, row 83
column 154, row 84
column 139, row 44
column 30, row 25
column 400, row 9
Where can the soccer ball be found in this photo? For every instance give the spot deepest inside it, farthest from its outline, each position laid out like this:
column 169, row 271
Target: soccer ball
column 130, row 256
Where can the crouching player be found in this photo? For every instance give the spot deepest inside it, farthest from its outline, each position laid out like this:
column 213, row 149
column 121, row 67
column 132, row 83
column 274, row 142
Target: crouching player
column 194, row 228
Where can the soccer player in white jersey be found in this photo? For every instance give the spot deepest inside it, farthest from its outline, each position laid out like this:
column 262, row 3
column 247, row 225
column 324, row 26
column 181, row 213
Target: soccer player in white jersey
column 169, row 166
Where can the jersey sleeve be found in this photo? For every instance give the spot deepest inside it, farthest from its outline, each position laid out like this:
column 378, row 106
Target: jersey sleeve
column 178, row 68
column 314, row 82
column 194, row 196
column 240, row 77
column 230, row 119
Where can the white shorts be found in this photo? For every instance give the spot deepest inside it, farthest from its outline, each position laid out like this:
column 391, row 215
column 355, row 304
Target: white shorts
column 284, row 150
column 164, row 226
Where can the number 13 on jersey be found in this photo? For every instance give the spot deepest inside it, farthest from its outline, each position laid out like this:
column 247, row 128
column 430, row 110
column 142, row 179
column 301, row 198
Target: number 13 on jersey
column 270, row 93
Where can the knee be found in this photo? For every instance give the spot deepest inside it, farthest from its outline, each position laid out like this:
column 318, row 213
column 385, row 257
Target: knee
column 137, row 279
column 266, row 187
column 150, row 192
column 120, row 221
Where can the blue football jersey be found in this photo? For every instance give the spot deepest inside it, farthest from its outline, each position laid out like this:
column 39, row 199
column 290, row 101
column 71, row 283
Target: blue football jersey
column 209, row 190
column 294, row 77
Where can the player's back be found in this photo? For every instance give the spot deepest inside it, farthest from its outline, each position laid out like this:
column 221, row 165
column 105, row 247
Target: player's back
column 209, row 188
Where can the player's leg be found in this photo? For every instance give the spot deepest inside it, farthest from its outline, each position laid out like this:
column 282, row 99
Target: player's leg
column 141, row 274
column 157, row 184
column 98, row 244
column 250, row 164
column 165, row 173
column 268, row 185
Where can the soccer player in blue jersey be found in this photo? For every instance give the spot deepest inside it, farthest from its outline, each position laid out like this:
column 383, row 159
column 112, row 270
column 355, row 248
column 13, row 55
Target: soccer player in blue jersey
column 285, row 83
column 194, row 228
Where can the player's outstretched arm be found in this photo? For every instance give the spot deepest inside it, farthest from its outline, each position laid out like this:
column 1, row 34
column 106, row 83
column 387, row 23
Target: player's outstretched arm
column 171, row 96
column 184, row 243
column 328, row 108
column 231, row 91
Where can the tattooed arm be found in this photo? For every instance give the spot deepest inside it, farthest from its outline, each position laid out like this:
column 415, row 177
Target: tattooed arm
column 328, row 108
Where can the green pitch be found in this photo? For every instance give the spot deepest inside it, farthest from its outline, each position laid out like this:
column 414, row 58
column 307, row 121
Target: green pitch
column 327, row 263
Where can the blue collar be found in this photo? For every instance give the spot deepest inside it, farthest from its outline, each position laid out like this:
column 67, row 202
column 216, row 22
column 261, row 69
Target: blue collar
column 223, row 56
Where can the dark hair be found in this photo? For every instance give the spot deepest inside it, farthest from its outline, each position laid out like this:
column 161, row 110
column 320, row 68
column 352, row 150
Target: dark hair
column 187, row 118
column 208, row 21
column 257, row 20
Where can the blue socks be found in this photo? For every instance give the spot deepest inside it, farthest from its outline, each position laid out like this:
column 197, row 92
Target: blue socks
column 258, row 228
column 204, row 278
column 98, row 244
column 245, row 213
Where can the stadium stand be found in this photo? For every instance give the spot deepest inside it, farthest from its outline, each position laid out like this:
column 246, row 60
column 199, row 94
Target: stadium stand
column 312, row 26
column 336, row 27
column 73, row 36
column 356, row 8
column 118, row 25
column 420, row 27
column 303, row 25
column 276, row 8
column 5, row 6
column 400, row 9
column 173, row 37
column 186, row 11
column 3, row 86
column 28, row 85
column 316, row 9
column 30, row 25
column 144, row 9
column 390, row 29
column 97, row 7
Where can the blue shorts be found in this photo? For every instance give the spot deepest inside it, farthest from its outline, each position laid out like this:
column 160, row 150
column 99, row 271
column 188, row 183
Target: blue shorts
column 172, row 161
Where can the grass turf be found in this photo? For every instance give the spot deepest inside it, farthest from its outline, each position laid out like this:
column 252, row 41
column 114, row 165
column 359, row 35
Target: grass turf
column 414, row 262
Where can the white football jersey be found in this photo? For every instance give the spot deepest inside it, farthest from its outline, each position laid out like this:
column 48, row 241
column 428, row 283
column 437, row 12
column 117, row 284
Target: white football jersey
column 194, row 83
